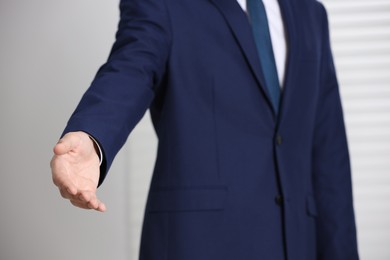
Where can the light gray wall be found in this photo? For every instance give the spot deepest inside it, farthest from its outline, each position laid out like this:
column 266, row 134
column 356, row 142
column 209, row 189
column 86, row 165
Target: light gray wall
column 49, row 52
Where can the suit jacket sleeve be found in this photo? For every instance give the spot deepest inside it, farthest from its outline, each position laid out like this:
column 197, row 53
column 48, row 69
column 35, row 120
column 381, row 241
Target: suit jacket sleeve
column 336, row 235
column 124, row 86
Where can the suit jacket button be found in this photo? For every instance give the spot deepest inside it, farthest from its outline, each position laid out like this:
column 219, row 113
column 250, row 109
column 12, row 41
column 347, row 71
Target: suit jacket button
column 279, row 140
column 279, row 200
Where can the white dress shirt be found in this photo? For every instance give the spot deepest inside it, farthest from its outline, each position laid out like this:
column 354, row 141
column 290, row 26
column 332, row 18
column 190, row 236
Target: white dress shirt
column 277, row 32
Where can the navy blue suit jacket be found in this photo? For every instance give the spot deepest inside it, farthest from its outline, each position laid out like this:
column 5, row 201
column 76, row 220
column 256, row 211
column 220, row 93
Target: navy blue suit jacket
column 232, row 180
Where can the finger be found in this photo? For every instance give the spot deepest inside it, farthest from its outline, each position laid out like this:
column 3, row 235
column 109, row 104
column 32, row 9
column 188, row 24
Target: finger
column 65, row 194
column 101, row 207
column 92, row 201
column 66, row 144
column 79, row 204
column 93, row 204
column 64, row 184
column 86, row 196
column 90, row 198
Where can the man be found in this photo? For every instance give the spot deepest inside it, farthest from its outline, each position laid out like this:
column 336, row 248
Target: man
column 252, row 159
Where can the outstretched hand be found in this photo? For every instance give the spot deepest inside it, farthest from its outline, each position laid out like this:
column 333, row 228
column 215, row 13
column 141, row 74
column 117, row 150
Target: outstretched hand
column 75, row 170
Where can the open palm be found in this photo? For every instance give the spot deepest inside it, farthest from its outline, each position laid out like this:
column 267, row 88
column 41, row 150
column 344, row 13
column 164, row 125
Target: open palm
column 75, row 170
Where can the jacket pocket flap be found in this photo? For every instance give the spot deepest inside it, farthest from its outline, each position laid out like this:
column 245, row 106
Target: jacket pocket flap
column 187, row 198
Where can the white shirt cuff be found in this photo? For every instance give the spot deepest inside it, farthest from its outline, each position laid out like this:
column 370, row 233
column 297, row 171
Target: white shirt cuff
column 100, row 150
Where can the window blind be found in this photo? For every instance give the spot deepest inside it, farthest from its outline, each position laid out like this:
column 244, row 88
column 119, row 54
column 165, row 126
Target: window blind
column 360, row 33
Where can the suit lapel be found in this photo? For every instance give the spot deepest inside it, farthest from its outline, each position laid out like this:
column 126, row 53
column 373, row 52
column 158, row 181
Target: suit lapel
column 239, row 24
column 292, row 51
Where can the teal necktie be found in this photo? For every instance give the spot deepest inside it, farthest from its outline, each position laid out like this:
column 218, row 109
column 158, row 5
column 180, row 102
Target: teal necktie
column 262, row 37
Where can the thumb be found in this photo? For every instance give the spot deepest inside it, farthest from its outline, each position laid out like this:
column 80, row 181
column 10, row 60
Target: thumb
column 66, row 144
